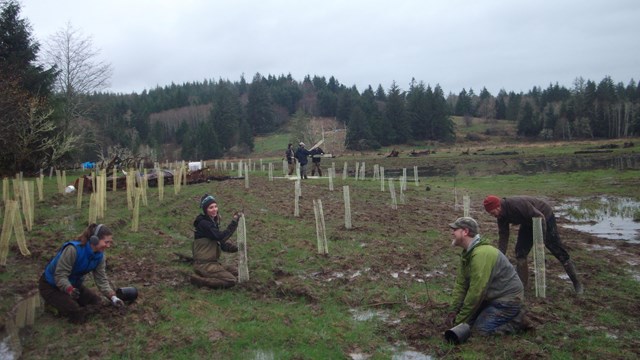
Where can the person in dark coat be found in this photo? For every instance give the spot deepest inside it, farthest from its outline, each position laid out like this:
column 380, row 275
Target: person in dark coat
column 301, row 156
column 520, row 210
column 209, row 242
column 316, row 156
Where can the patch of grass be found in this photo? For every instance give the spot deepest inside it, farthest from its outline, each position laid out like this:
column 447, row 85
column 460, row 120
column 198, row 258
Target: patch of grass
column 300, row 305
column 272, row 145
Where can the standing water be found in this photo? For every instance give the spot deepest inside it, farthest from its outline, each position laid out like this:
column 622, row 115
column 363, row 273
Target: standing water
column 609, row 217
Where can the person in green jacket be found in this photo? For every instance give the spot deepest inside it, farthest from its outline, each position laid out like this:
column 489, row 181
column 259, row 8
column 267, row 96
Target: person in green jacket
column 488, row 293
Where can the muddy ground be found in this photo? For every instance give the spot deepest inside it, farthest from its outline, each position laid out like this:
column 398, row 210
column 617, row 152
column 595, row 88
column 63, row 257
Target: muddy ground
column 381, row 262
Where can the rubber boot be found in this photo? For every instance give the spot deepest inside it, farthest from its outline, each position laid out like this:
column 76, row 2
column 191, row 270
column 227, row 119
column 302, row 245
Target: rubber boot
column 571, row 271
column 522, row 267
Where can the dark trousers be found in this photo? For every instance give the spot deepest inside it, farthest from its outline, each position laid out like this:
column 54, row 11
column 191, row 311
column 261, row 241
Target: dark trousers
column 75, row 310
column 551, row 241
column 314, row 167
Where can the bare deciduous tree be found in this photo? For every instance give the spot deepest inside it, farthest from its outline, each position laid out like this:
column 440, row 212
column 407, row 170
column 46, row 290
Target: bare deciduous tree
column 36, row 142
column 80, row 70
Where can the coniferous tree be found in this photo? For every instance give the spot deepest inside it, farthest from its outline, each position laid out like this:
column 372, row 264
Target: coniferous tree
column 513, row 106
column 464, row 105
column 371, row 108
column 380, row 94
column 395, row 117
column 486, row 105
column 19, row 53
column 528, row 123
column 443, row 128
column 259, row 111
column 346, row 101
column 501, row 105
column 359, row 135
column 327, row 103
column 225, row 115
column 30, row 138
column 418, row 111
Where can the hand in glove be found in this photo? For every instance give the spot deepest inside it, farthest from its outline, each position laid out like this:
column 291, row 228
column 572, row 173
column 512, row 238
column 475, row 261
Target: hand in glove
column 238, row 215
column 73, row 292
column 116, row 301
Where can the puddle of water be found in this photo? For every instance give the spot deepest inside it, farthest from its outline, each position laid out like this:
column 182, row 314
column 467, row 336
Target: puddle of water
column 365, row 315
column 263, row 355
column 359, row 356
column 596, row 247
column 410, row 355
column 607, row 217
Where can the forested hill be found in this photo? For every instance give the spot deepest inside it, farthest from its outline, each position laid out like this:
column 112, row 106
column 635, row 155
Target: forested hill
column 55, row 115
column 210, row 118
column 50, row 117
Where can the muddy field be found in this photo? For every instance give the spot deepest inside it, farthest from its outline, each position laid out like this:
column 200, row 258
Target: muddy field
column 395, row 248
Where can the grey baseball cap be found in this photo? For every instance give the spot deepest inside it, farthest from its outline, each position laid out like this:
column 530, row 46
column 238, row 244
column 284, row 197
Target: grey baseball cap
column 465, row 223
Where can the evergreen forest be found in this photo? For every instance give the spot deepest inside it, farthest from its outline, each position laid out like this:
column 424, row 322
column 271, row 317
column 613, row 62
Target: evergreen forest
column 44, row 125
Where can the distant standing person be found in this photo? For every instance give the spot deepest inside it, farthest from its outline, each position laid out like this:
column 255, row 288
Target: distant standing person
column 62, row 282
column 316, row 156
column 487, row 294
column 301, row 156
column 291, row 159
column 519, row 210
column 208, row 242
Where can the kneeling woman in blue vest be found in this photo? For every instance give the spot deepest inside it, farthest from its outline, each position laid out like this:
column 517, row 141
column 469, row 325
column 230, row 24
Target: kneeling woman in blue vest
column 61, row 284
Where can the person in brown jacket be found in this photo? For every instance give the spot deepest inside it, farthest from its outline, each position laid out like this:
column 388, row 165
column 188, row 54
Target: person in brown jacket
column 519, row 210
column 208, row 243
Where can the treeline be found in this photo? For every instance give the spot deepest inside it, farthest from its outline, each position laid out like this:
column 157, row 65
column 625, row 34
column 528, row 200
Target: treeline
column 44, row 126
column 210, row 118
column 588, row 110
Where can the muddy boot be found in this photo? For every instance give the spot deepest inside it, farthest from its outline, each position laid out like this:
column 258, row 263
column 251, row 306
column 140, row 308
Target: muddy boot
column 571, row 271
column 210, row 282
column 522, row 267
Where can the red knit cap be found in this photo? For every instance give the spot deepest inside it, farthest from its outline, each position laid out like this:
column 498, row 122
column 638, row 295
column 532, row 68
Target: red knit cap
column 491, row 202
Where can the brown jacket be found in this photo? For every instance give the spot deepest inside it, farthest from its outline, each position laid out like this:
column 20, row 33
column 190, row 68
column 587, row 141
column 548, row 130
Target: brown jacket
column 519, row 210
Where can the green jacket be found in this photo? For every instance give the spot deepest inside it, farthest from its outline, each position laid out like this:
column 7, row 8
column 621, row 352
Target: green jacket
column 485, row 276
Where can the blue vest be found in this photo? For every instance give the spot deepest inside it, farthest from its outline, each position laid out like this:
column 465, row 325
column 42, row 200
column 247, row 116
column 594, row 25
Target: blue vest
column 86, row 262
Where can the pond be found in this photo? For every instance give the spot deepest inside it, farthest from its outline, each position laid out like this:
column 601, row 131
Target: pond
column 608, row 217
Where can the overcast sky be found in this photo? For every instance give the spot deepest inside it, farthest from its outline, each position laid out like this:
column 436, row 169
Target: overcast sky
column 510, row 44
